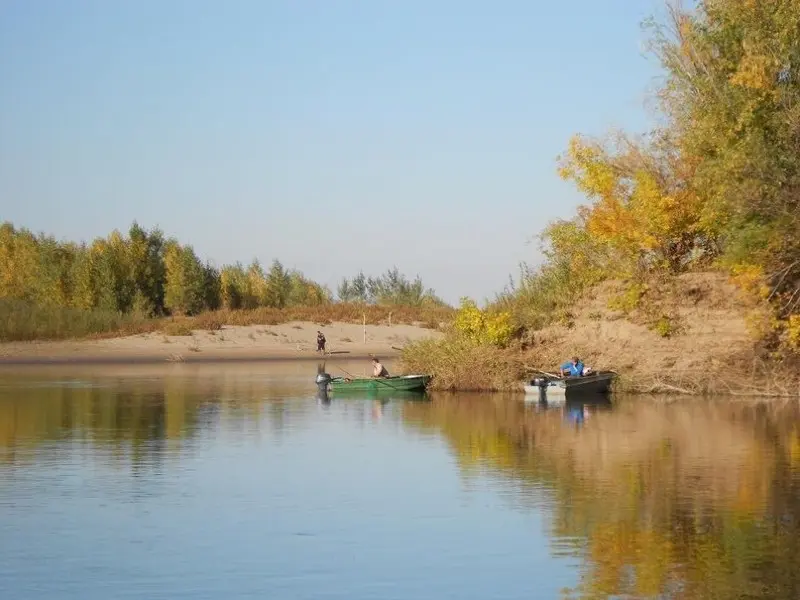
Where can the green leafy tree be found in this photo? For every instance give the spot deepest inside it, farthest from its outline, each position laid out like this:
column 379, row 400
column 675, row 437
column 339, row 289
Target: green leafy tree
column 304, row 292
column 212, row 288
column 354, row 290
column 148, row 268
column 390, row 288
column 278, row 286
column 233, row 286
column 256, row 293
column 103, row 276
column 83, row 295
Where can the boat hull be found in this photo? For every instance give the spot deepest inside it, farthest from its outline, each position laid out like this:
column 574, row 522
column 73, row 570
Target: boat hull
column 389, row 385
column 571, row 387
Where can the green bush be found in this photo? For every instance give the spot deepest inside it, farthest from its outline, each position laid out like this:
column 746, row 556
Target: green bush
column 23, row 321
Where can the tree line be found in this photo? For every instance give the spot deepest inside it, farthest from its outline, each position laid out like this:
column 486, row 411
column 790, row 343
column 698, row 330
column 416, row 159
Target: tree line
column 148, row 274
column 715, row 185
column 390, row 288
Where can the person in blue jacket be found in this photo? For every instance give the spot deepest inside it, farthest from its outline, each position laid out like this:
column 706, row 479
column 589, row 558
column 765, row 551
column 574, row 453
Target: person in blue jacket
column 573, row 368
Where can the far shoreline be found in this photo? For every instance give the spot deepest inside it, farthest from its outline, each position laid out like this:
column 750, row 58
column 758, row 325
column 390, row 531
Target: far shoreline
column 151, row 359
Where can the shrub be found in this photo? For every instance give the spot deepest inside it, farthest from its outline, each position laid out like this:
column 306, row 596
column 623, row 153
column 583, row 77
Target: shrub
column 458, row 362
column 750, row 279
column 483, row 327
column 23, row 321
column 177, row 328
column 663, row 326
column 793, row 332
column 630, row 299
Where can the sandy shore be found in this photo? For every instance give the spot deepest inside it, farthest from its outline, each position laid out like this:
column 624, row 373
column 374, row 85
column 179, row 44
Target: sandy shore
column 295, row 340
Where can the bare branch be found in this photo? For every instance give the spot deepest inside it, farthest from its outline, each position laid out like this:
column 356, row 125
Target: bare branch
column 793, row 302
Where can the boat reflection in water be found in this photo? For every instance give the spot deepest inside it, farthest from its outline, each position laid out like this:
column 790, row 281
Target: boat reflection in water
column 576, row 411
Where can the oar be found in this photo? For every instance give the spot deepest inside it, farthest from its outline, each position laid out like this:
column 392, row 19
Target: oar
column 546, row 373
column 376, row 378
column 348, row 373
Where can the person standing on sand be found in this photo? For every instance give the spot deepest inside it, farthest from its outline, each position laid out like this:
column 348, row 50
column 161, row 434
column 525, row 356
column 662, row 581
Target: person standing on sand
column 378, row 370
column 320, row 342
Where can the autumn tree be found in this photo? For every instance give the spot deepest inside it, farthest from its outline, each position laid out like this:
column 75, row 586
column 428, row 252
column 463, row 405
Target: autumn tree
column 732, row 98
column 304, row 292
column 103, row 276
column 183, row 290
column 19, row 252
column 255, row 290
column 645, row 214
column 717, row 183
column 83, row 293
column 232, row 286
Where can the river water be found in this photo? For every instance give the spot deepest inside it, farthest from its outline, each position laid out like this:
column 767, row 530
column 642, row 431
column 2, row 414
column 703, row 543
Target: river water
column 236, row 481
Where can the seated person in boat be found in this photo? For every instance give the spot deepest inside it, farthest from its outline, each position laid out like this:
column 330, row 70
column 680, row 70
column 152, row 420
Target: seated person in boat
column 378, row 370
column 574, row 368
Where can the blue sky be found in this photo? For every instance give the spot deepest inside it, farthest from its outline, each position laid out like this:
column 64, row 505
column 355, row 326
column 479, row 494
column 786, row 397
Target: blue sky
column 334, row 135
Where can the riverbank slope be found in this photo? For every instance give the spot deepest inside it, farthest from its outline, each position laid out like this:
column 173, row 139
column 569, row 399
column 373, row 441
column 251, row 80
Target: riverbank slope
column 695, row 333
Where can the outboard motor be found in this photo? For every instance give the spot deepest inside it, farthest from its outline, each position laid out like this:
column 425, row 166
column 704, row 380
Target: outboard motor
column 322, row 381
column 541, row 383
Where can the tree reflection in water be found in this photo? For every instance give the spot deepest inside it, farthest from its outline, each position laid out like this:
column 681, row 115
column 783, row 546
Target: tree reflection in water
column 678, row 499
column 139, row 422
column 682, row 499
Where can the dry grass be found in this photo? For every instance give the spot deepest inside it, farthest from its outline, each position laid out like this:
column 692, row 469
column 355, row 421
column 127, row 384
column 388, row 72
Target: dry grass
column 456, row 363
column 176, row 328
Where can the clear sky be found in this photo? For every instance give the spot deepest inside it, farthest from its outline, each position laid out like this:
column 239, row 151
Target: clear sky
column 335, row 135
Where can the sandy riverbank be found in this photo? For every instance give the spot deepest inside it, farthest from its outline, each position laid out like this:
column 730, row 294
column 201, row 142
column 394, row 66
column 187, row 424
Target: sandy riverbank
column 294, row 340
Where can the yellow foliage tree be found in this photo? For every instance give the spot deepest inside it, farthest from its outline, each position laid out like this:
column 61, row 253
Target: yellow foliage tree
column 793, row 332
column 483, row 327
column 642, row 208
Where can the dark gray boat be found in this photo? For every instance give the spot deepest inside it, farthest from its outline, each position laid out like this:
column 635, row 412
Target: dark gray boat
column 570, row 387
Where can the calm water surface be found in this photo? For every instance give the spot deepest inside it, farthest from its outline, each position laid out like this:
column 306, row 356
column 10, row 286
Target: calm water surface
column 238, row 482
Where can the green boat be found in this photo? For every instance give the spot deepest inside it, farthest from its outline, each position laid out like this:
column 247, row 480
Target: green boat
column 398, row 383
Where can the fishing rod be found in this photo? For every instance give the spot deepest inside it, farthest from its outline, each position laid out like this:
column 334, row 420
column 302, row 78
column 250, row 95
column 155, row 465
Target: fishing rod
column 376, row 378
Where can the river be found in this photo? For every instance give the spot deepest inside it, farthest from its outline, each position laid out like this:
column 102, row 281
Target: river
column 237, row 481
